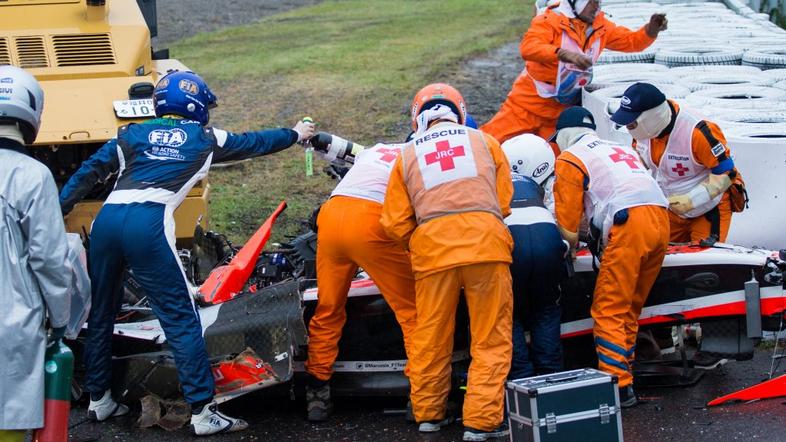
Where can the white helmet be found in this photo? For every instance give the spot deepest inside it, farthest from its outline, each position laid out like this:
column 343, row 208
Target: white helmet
column 531, row 156
column 21, row 101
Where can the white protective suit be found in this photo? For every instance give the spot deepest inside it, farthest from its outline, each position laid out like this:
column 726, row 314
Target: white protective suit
column 34, row 277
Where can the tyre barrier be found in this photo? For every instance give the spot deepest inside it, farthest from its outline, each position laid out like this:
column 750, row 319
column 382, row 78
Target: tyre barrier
column 707, row 80
column 687, row 71
column 603, row 70
column 776, row 74
column 611, row 57
column 756, row 43
column 768, row 132
column 753, row 116
column 628, row 77
column 698, row 55
column 738, row 97
column 766, row 58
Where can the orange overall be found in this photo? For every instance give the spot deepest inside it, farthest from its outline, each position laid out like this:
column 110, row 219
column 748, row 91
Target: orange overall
column 454, row 231
column 630, row 264
column 350, row 235
column 524, row 110
column 698, row 228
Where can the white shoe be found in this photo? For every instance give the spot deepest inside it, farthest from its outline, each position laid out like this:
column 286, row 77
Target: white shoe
column 105, row 408
column 212, row 421
column 435, row 425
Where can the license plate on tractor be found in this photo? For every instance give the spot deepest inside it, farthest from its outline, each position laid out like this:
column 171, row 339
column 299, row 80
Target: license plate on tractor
column 134, row 108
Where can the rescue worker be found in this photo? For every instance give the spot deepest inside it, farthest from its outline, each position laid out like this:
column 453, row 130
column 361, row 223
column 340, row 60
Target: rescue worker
column 628, row 218
column 157, row 163
column 559, row 49
column 689, row 158
column 349, row 236
column 33, row 267
column 539, row 260
column 449, row 191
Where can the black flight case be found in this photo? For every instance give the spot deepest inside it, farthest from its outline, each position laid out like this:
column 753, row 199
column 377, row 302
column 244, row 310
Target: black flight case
column 577, row 405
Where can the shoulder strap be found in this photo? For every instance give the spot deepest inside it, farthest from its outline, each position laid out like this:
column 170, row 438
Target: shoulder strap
column 705, row 130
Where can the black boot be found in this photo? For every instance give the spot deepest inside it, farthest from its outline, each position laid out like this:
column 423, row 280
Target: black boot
column 318, row 398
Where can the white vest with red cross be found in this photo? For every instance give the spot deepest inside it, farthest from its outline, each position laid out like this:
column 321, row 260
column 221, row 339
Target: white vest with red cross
column 368, row 178
column 449, row 169
column 617, row 180
column 678, row 172
column 570, row 80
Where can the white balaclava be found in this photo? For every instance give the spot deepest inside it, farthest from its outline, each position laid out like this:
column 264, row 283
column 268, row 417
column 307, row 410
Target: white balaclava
column 438, row 112
column 566, row 10
column 568, row 136
column 12, row 132
column 652, row 122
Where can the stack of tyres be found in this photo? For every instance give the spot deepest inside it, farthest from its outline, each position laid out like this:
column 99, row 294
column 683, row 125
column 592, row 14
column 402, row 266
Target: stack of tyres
column 576, row 405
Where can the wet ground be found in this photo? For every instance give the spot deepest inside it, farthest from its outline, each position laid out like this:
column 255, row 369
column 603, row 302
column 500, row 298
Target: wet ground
column 183, row 18
column 484, row 81
column 666, row 414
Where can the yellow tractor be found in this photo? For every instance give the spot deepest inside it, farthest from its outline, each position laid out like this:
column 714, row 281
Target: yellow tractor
column 95, row 62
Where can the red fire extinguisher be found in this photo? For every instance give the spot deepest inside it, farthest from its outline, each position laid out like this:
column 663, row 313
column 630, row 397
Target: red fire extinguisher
column 59, row 368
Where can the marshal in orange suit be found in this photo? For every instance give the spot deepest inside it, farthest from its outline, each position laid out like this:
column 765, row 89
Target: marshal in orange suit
column 608, row 185
column 559, row 49
column 448, row 194
column 350, row 236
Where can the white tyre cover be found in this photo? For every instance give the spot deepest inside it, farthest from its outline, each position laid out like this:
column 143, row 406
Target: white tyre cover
column 766, row 132
column 738, row 97
column 603, row 70
column 689, row 71
column 694, row 55
column 775, row 74
column 756, row 117
column 645, row 56
column 766, row 58
column 707, row 80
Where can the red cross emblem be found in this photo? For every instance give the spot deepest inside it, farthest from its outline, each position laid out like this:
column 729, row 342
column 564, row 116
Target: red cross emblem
column 680, row 169
column 444, row 155
column 388, row 155
column 622, row 156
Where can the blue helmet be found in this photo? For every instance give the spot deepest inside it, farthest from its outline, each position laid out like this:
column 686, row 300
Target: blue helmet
column 186, row 94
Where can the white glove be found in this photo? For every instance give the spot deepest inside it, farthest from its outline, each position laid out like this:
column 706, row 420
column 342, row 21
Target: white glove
column 680, row 204
column 305, row 130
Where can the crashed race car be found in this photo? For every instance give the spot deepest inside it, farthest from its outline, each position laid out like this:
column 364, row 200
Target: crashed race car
column 254, row 305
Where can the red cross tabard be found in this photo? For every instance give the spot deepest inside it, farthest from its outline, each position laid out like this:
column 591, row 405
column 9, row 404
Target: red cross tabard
column 622, row 156
column 680, row 169
column 388, row 155
column 444, row 155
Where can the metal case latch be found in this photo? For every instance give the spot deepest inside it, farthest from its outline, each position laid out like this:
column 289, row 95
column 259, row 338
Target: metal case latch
column 604, row 413
column 551, row 423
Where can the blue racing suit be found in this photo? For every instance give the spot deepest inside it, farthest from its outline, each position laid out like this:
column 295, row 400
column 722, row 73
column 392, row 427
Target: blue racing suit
column 157, row 163
column 538, row 268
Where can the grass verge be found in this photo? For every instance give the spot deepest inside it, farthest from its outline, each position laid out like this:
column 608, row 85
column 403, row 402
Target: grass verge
column 353, row 65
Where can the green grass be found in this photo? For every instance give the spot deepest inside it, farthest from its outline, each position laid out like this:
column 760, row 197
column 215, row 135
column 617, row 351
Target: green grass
column 352, row 65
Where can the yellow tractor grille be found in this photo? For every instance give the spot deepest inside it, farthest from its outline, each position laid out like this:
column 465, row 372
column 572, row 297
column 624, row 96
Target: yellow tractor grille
column 30, row 52
column 83, row 49
column 5, row 54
